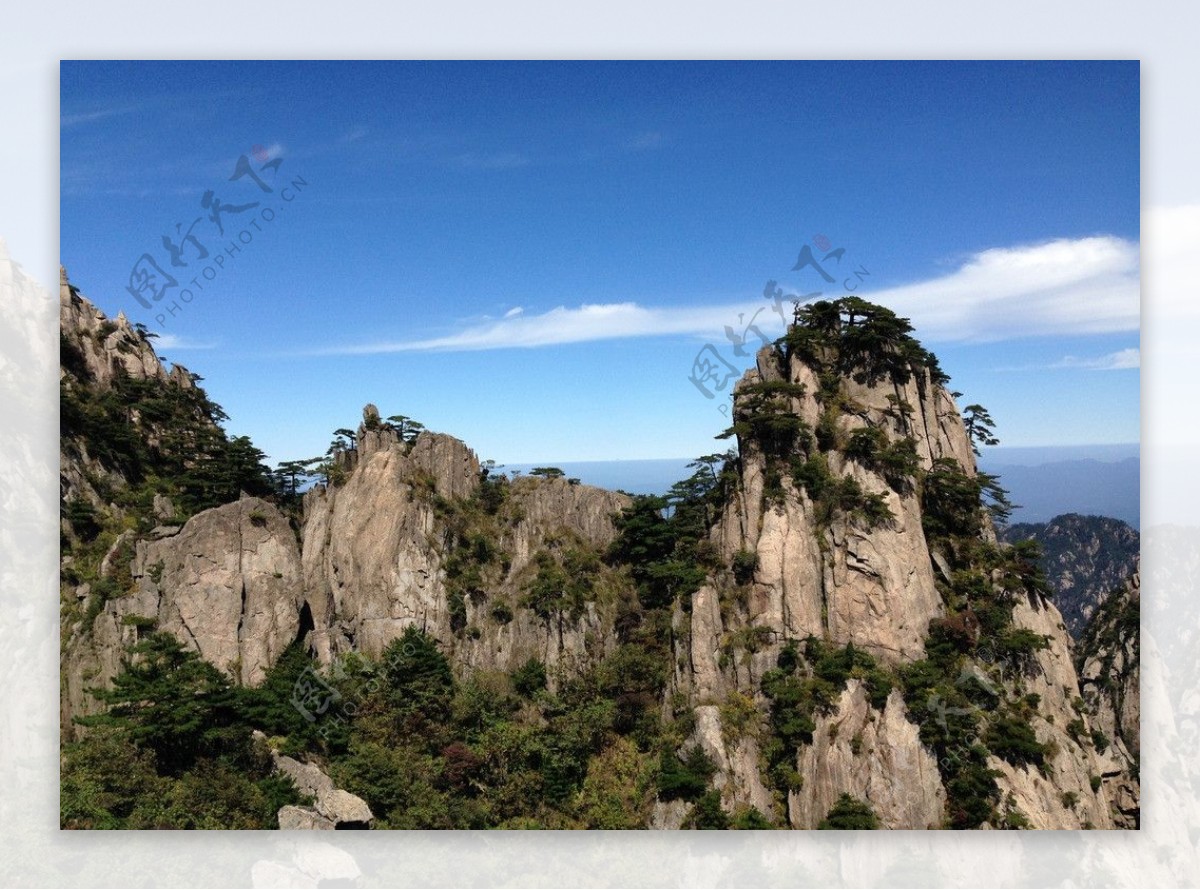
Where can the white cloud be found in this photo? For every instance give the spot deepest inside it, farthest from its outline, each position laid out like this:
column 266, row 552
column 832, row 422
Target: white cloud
column 605, row 321
column 514, row 312
column 171, row 341
column 1063, row 287
column 1121, row 360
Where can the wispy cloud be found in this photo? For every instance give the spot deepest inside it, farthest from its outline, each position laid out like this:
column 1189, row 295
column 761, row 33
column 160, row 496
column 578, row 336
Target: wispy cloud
column 1063, row 287
column 1121, row 360
column 589, row 322
column 99, row 114
column 173, row 341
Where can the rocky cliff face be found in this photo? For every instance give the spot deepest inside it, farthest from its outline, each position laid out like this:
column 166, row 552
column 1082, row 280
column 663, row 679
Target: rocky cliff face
column 873, row 755
column 381, row 552
column 856, row 628
column 1108, row 660
column 1084, row 558
column 875, row 589
column 826, row 565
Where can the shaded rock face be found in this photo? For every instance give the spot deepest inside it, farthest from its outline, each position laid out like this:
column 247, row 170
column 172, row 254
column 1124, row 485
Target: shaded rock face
column 227, row 584
column 1110, row 679
column 875, row 756
column 1084, row 558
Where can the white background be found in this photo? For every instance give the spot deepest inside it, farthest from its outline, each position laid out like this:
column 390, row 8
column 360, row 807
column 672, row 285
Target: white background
column 32, row 40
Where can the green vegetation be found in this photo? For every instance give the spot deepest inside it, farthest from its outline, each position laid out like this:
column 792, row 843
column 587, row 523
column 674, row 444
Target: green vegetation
column 850, row 814
column 980, row 426
column 854, row 338
column 405, row 427
column 805, row 685
column 593, row 743
column 745, row 564
column 166, row 435
column 173, row 751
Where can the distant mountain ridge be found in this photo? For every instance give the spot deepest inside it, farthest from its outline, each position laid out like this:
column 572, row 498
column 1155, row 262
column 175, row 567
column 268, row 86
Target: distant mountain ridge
column 1085, row 558
column 1086, row 486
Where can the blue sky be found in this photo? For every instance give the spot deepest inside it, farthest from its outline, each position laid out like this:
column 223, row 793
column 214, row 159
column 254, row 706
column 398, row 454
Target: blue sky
column 531, row 256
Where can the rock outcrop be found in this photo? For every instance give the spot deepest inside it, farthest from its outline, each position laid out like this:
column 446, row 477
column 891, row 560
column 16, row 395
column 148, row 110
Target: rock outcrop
column 1062, row 797
column 874, row 589
column 227, row 584
column 825, row 535
column 377, row 555
column 333, row 808
column 875, row 756
column 103, row 347
column 838, row 576
column 1109, row 658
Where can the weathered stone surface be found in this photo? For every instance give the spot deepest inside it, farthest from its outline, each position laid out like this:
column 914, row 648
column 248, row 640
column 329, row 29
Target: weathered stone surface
column 1109, row 661
column 228, row 585
column 308, row 778
column 344, row 810
column 552, row 505
column 879, row 586
column 875, row 756
column 1064, row 799
column 374, row 557
column 303, row 819
column 737, row 761
column 873, row 587
column 371, row 562
column 164, row 508
column 668, row 815
column 104, row 344
column 332, row 807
